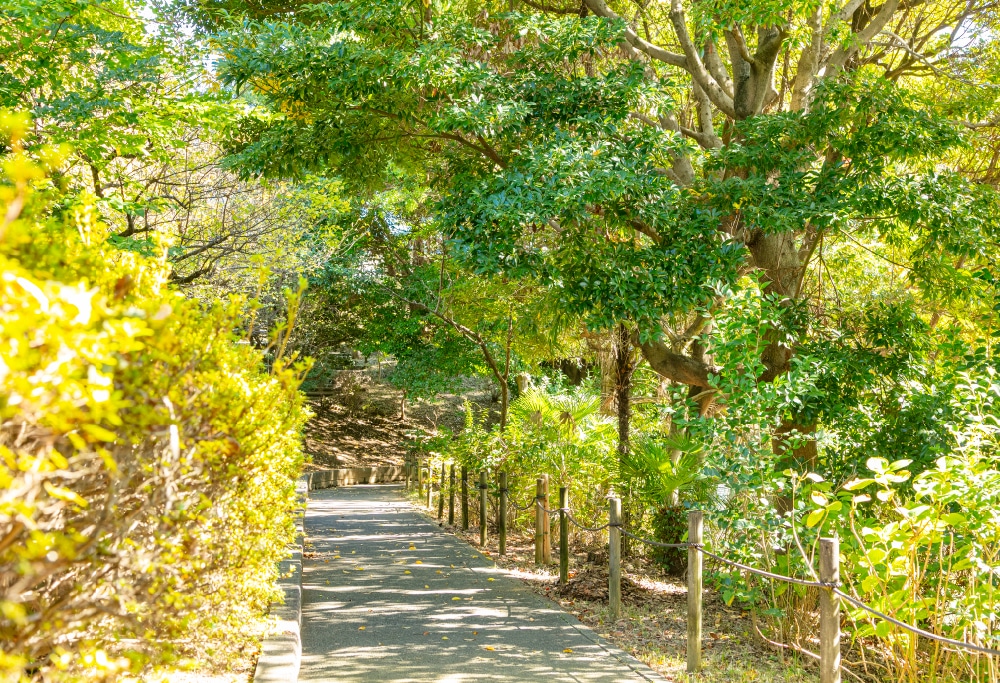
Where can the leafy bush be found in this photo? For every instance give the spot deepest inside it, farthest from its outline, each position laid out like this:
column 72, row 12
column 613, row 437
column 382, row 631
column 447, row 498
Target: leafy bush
column 932, row 557
column 662, row 470
column 147, row 460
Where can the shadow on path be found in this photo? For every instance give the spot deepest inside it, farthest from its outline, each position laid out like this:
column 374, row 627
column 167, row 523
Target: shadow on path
column 388, row 596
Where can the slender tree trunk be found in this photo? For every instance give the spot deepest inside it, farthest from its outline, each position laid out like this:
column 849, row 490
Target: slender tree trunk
column 624, row 367
column 504, row 404
column 505, row 383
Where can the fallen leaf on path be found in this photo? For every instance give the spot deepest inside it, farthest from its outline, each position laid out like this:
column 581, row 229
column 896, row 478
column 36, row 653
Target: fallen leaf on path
column 444, row 637
column 407, row 572
column 361, row 628
column 490, row 648
column 456, row 598
column 569, row 649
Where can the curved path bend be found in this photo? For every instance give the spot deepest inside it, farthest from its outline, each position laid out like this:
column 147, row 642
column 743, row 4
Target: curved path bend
column 388, row 596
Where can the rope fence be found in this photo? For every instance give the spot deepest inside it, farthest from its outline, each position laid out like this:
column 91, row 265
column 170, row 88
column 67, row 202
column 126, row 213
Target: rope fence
column 525, row 508
column 828, row 583
column 961, row 644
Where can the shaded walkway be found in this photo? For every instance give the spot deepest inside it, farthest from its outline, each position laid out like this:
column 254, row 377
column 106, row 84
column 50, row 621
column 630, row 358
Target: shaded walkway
column 388, row 596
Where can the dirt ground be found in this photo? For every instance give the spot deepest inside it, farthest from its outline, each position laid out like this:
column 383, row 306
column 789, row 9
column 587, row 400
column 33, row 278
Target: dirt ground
column 361, row 425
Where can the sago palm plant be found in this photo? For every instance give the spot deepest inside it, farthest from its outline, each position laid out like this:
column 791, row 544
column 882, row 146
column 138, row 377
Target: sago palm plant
column 667, row 471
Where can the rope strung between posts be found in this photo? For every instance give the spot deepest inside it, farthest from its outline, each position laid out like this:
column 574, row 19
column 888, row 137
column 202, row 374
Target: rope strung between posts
column 761, row 572
column 820, row 584
column 834, row 587
column 914, row 629
column 752, row 570
column 657, row 543
column 585, row 528
column 525, row 508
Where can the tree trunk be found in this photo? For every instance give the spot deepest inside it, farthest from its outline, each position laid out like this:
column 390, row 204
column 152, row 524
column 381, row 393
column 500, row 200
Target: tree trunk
column 624, row 367
column 504, row 404
column 783, row 260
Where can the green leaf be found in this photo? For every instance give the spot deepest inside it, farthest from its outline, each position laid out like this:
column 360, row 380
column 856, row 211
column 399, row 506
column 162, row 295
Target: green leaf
column 877, row 465
column 857, row 484
column 814, row 518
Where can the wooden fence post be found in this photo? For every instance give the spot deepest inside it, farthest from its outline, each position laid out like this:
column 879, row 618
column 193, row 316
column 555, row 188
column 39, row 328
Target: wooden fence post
column 829, row 611
column 539, row 542
column 465, row 498
column 563, row 536
column 615, row 557
column 420, row 478
column 430, row 486
column 483, row 521
column 546, row 522
column 696, row 525
column 451, row 495
column 406, row 475
column 502, row 522
column 441, row 494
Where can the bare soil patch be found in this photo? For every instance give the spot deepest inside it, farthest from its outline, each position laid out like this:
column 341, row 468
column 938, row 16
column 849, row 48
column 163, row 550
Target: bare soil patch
column 360, row 424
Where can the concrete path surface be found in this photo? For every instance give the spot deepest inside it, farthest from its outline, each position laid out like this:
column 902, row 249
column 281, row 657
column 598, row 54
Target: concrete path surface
column 388, row 596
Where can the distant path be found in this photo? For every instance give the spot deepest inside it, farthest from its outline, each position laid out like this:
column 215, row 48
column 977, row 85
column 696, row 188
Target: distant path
column 364, row 618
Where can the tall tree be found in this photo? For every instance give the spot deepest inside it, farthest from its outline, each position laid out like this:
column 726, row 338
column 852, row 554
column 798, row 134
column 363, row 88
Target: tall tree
column 639, row 159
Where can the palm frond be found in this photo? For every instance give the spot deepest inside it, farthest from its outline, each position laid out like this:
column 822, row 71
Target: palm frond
column 663, row 466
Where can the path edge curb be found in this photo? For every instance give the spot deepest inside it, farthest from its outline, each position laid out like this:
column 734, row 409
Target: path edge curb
column 281, row 652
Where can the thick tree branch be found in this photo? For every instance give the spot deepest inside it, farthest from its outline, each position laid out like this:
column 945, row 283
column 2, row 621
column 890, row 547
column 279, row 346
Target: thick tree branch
column 601, row 9
column 707, row 138
column 682, row 166
column 808, row 66
column 741, row 45
column 647, row 230
column 862, row 38
column 677, row 367
column 715, row 66
column 694, row 64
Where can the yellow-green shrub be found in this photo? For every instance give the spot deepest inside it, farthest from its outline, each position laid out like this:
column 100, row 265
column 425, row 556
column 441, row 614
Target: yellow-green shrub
column 147, row 460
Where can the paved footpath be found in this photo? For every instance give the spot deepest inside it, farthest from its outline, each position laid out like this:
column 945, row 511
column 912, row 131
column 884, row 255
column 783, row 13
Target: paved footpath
column 388, row 596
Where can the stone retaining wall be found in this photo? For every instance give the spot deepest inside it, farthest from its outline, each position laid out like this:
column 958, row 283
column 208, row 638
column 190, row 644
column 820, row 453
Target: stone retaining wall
column 348, row 476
